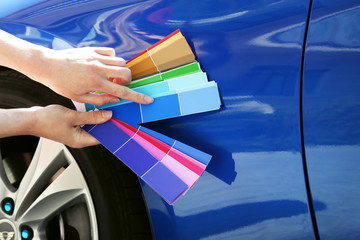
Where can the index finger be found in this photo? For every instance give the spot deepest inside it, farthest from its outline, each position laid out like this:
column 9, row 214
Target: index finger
column 125, row 93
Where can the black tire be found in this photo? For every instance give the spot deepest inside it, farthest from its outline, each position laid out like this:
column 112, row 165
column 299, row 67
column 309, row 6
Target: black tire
column 120, row 208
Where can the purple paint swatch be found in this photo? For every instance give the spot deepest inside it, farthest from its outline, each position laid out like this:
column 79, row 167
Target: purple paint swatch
column 136, row 157
column 165, row 182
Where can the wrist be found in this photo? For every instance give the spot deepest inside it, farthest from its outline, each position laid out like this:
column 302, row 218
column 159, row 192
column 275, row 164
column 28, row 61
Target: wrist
column 28, row 120
column 22, row 121
column 36, row 63
column 32, row 126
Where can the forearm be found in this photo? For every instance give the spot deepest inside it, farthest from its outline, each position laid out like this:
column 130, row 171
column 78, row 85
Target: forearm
column 15, row 122
column 21, row 55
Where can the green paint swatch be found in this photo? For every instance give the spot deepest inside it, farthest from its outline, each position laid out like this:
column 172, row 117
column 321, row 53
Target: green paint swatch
column 176, row 72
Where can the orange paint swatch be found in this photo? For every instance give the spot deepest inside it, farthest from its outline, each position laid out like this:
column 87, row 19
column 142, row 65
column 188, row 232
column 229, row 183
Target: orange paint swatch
column 168, row 53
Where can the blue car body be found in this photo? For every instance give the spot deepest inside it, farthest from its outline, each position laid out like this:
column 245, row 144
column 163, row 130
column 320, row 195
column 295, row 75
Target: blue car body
column 286, row 142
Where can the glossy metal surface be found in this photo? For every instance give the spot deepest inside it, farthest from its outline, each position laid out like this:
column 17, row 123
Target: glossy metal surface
column 332, row 116
column 254, row 186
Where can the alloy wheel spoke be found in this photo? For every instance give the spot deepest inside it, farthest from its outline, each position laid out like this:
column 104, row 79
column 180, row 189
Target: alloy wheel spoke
column 49, row 157
column 6, row 189
column 66, row 190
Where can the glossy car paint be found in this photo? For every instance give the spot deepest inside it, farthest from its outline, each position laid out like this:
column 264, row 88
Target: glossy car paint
column 254, row 187
column 331, row 110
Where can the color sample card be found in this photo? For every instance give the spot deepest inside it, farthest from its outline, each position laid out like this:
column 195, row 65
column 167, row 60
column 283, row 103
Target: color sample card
column 176, row 72
column 171, row 52
column 140, row 161
column 180, row 147
column 201, row 98
column 168, row 72
column 185, row 167
column 157, row 88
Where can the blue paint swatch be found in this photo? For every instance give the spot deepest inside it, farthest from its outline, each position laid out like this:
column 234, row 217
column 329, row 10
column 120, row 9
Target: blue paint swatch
column 187, row 81
column 200, row 100
column 153, row 89
column 89, row 107
column 164, row 182
column 186, row 149
column 162, row 108
column 136, row 157
column 193, row 152
column 109, row 135
column 165, row 139
column 129, row 112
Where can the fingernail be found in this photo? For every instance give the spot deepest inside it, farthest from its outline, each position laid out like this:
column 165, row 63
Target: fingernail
column 116, row 80
column 106, row 114
column 148, row 99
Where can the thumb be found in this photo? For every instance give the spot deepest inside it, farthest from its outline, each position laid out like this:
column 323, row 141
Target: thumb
column 85, row 140
column 94, row 117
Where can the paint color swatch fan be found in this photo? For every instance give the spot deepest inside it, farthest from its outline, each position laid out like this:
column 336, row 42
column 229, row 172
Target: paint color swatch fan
column 168, row 72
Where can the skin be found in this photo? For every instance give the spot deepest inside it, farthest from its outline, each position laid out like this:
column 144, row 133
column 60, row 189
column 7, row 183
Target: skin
column 75, row 74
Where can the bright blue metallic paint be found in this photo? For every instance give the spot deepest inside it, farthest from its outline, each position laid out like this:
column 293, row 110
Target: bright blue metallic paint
column 254, row 186
column 331, row 110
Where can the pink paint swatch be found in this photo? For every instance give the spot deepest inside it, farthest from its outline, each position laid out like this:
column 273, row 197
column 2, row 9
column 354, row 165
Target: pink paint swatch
column 185, row 167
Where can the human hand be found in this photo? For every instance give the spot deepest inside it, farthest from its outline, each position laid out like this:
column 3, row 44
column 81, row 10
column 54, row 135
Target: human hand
column 61, row 124
column 77, row 73
column 74, row 73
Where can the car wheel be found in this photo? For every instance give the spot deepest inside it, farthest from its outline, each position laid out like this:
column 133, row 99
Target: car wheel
column 49, row 191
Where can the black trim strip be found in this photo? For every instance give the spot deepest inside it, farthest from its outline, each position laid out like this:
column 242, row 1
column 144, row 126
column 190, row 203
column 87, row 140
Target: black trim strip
column 306, row 175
